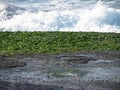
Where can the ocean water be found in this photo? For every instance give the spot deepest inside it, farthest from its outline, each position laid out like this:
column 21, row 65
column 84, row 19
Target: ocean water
column 60, row 15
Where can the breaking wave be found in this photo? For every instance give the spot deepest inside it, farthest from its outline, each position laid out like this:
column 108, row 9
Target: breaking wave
column 98, row 18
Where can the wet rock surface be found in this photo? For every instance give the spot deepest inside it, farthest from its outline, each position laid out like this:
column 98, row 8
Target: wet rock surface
column 69, row 71
column 11, row 63
column 78, row 59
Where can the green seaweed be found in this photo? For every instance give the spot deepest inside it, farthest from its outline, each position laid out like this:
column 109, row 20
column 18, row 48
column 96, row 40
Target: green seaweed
column 56, row 42
column 65, row 72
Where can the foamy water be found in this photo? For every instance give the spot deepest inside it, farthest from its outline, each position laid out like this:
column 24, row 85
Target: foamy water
column 60, row 15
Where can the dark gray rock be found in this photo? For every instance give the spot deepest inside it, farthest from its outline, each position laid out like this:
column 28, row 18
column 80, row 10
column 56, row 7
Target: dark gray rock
column 68, row 71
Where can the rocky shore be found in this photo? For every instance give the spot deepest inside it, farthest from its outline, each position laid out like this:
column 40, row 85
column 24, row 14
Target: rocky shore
column 87, row 70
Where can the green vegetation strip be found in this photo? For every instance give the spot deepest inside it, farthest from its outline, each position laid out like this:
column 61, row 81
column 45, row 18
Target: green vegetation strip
column 56, row 42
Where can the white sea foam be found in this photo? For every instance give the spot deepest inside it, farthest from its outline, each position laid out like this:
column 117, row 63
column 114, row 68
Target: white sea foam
column 98, row 18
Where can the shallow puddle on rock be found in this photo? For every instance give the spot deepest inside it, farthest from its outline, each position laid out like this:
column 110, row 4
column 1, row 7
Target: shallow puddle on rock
column 111, row 74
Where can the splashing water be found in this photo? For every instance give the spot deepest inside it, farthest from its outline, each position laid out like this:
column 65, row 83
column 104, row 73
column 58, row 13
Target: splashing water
column 60, row 15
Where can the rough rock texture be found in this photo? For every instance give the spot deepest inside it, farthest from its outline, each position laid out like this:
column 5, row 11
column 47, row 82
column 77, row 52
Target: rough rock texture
column 8, row 63
column 69, row 71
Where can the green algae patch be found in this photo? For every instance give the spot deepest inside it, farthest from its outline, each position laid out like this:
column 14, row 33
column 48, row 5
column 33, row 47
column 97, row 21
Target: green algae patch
column 66, row 72
column 56, row 42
